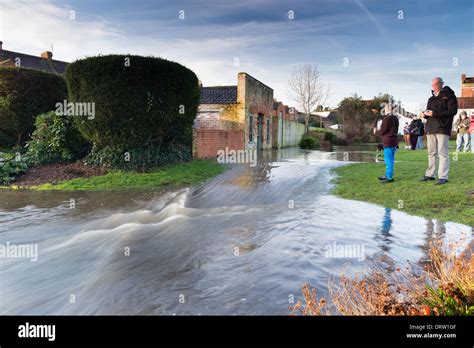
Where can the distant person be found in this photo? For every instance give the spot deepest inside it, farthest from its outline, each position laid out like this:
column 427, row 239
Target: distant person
column 471, row 132
column 415, row 131
column 440, row 111
column 419, row 142
column 462, row 130
column 406, row 135
column 389, row 132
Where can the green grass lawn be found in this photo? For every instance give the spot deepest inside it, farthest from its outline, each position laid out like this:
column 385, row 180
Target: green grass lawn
column 175, row 175
column 450, row 202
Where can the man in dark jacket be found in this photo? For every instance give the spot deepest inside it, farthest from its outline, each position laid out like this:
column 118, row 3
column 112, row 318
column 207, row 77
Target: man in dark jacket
column 415, row 131
column 389, row 132
column 440, row 112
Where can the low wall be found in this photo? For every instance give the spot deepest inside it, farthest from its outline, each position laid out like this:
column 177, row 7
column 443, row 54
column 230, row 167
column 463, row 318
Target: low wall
column 207, row 142
column 291, row 133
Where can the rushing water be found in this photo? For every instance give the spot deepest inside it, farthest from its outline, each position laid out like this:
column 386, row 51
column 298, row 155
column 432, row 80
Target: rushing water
column 243, row 243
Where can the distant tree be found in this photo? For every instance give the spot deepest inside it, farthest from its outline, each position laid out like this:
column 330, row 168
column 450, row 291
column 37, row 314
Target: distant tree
column 307, row 90
column 358, row 116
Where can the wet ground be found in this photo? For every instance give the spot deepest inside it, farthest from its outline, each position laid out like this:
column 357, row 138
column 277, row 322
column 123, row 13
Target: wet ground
column 242, row 243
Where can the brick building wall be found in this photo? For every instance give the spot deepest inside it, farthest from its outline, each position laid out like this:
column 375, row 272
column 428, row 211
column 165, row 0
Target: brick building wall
column 228, row 121
column 257, row 101
column 467, row 86
column 210, row 141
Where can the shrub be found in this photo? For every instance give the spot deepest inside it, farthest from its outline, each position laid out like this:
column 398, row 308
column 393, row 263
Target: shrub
column 138, row 159
column 148, row 103
column 55, row 139
column 327, row 135
column 309, row 143
column 10, row 166
column 24, row 94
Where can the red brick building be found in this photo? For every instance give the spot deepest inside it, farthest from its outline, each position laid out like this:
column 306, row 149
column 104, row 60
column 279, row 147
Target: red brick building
column 235, row 117
column 466, row 100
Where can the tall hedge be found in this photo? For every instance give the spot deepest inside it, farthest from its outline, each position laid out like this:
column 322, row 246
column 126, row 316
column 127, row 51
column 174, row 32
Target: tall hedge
column 140, row 102
column 24, row 94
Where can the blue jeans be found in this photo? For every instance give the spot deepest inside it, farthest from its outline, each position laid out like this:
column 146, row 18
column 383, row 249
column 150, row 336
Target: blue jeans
column 389, row 157
column 472, row 142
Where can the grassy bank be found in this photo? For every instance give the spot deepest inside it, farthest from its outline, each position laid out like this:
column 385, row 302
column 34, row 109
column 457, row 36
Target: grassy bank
column 450, row 202
column 175, row 175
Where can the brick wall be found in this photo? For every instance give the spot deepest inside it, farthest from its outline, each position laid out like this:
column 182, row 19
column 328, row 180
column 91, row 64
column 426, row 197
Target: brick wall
column 207, row 142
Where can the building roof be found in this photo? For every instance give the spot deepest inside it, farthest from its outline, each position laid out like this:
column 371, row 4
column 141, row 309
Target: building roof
column 467, row 79
column 8, row 58
column 219, row 95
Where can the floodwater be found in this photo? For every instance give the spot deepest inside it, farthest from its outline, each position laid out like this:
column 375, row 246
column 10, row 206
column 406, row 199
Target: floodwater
column 242, row 243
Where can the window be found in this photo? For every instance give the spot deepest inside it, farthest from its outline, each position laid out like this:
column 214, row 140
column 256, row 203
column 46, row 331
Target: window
column 250, row 128
column 268, row 130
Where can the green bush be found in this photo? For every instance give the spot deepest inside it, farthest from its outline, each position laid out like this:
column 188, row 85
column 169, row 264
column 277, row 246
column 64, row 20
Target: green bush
column 140, row 102
column 10, row 166
column 327, row 134
column 138, row 159
column 24, row 94
column 55, row 139
column 309, row 143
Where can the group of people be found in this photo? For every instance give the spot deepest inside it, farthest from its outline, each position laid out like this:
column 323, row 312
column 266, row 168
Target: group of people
column 439, row 115
column 465, row 132
column 413, row 134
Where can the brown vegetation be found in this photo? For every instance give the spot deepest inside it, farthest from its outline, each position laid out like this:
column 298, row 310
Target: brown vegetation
column 445, row 286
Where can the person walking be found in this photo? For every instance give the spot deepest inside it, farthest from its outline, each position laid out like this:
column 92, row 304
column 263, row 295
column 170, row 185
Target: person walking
column 406, row 135
column 471, row 132
column 440, row 111
column 462, row 130
column 389, row 132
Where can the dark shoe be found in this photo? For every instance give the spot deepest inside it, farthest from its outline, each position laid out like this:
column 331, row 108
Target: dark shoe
column 427, row 178
column 381, row 178
column 442, row 181
column 386, row 181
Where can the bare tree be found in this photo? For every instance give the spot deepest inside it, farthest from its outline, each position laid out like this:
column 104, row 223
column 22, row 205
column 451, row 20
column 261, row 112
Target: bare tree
column 307, row 89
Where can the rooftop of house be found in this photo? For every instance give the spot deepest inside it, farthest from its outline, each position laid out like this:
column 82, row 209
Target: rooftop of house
column 44, row 62
column 468, row 79
column 219, row 95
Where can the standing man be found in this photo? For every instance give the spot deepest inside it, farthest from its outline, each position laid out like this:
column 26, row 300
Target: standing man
column 442, row 106
column 462, row 129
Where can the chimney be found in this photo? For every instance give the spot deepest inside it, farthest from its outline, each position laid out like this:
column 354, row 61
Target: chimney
column 463, row 78
column 47, row 55
column 1, row 45
column 200, row 83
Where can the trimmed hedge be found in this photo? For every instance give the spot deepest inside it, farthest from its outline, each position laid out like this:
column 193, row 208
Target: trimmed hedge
column 139, row 159
column 24, row 94
column 136, row 106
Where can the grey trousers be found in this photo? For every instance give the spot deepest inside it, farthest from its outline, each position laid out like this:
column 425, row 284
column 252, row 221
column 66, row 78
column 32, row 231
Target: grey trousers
column 438, row 147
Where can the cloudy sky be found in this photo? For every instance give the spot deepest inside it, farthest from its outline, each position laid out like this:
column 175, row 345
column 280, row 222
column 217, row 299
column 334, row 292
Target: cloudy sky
column 360, row 46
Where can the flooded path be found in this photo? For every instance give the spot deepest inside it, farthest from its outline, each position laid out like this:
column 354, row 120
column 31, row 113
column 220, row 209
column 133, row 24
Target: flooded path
column 242, row 243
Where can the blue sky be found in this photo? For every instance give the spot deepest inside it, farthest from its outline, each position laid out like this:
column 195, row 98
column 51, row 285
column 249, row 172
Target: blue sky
column 384, row 53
